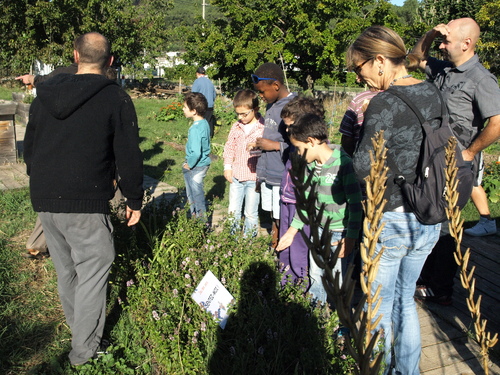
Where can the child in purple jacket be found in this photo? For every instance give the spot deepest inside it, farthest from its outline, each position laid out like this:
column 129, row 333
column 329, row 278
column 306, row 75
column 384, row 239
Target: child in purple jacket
column 293, row 261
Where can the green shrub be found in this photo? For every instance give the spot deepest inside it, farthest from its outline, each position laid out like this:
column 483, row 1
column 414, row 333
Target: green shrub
column 186, row 72
column 269, row 330
column 491, row 181
column 326, row 81
column 224, row 112
column 28, row 98
column 351, row 79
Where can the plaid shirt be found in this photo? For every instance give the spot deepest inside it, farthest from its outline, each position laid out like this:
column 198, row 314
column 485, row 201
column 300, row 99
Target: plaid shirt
column 236, row 155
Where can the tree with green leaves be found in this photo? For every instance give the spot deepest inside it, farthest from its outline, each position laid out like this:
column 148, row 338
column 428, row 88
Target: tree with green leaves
column 408, row 13
column 309, row 38
column 45, row 30
column 443, row 11
column 489, row 44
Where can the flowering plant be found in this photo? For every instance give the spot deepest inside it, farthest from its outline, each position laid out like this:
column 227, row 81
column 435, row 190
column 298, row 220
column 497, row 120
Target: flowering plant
column 270, row 329
column 170, row 112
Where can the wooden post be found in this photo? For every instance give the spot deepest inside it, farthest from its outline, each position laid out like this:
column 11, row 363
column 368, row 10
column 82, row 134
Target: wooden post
column 180, row 83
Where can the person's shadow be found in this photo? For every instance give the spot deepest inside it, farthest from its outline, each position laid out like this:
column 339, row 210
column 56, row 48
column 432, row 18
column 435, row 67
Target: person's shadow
column 218, row 189
column 268, row 335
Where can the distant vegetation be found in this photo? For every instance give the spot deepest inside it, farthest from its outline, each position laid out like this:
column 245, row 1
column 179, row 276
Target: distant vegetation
column 308, row 38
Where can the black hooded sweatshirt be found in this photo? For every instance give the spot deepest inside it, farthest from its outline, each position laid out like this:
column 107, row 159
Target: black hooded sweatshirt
column 82, row 132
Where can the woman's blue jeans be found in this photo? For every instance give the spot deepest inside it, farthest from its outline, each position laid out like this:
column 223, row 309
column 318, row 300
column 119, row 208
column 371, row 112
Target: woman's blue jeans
column 407, row 243
column 195, row 189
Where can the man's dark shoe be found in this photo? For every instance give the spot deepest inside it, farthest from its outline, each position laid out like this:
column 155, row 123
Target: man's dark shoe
column 102, row 349
column 35, row 254
column 441, row 300
column 424, row 293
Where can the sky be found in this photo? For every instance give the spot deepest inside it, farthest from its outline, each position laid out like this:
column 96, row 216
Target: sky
column 397, row 2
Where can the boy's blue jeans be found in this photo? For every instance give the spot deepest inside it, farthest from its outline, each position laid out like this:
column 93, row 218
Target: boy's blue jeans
column 195, row 189
column 316, row 273
column 407, row 243
column 244, row 190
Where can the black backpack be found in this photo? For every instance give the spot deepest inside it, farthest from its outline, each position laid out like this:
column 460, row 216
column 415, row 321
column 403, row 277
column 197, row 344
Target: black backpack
column 426, row 196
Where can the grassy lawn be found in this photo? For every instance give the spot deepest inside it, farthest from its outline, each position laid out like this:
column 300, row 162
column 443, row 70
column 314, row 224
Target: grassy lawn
column 163, row 144
column 155, row 327
column 6, row 92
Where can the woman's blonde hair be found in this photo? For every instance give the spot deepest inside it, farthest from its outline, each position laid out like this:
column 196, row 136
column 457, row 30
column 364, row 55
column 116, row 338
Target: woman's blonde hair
column 380, row 40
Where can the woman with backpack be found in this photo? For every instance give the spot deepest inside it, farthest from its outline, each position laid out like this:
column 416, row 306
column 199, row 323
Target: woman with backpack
column 378, row 57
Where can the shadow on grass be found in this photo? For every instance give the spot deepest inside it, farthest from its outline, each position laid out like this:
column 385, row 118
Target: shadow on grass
column 218, row 189
column 268, row 335
column 155, row 150
column 24, row 342
column 158, row 171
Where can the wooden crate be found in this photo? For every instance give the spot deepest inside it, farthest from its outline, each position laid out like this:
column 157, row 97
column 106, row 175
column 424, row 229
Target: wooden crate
column 8, row 145
column 23, row 111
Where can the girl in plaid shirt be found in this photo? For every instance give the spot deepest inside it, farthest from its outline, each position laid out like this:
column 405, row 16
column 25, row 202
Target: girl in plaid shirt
column 240, row 161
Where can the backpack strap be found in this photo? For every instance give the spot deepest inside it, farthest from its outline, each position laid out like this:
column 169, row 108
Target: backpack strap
column 399, row 178
column 408, row 102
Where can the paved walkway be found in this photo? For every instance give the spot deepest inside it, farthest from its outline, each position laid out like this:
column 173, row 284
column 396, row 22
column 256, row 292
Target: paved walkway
column 447, row 331
column 447, row 345
column 13, row 176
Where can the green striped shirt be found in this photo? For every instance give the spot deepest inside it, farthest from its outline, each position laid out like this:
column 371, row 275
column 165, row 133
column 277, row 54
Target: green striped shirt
column 339, row 190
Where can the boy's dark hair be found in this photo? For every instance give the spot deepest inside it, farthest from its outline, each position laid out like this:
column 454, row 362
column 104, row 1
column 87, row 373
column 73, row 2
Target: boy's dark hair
column 246, row 98
column 271, row 70
column 196, row 101
column 301, row 105
column 309, row 126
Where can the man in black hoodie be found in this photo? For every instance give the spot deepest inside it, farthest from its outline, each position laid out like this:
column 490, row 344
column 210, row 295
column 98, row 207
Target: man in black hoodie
column 82, row 132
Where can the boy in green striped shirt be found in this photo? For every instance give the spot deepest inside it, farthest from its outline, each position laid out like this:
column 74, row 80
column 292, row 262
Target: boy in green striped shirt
column 337, row 188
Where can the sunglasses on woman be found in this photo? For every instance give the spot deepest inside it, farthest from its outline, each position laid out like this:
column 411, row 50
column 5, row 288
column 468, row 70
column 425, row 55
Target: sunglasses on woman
column 358, row 68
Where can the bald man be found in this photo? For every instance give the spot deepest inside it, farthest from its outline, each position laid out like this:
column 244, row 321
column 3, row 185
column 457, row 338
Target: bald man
column 473, row 98
column 82, row 129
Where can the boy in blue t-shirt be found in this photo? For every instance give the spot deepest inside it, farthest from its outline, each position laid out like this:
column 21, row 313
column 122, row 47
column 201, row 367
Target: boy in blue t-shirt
column 197, row 152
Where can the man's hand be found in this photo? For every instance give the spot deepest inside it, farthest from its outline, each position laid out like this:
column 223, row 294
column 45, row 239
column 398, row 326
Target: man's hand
column 467, row 155
column 27, row 79
column 228, row 175
column 423, row 46
column 489, row 135
column 267, row 144
column 133, row 216
column 442, row 29
column 287, row 239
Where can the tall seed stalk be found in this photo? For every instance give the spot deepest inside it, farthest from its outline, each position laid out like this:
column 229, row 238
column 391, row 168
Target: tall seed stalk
column 466, row 277
column 362, row 321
